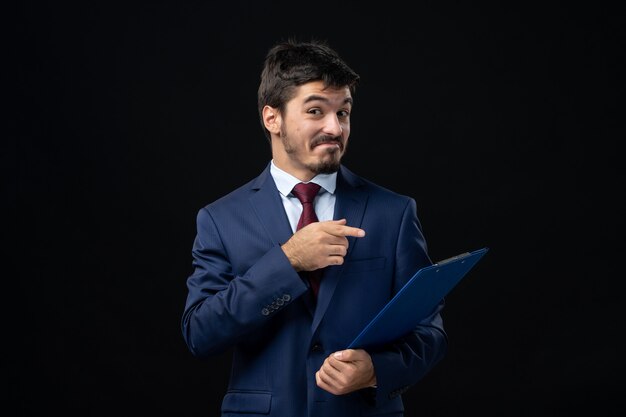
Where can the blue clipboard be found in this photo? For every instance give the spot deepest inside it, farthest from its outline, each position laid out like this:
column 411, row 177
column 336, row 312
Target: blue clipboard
column 416, row 300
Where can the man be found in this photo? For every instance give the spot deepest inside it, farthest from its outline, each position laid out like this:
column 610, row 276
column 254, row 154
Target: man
column 289, row 298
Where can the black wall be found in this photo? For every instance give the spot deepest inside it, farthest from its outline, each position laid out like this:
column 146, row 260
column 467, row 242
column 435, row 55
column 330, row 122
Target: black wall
column 503, row 123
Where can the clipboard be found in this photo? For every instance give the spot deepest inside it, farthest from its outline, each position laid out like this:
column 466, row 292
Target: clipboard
column 416, row 300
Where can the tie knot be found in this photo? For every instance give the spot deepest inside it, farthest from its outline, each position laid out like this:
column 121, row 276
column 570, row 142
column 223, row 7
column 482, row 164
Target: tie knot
column 306, row 192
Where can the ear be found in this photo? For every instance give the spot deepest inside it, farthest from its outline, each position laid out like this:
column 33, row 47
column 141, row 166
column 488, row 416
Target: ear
column 271, row 119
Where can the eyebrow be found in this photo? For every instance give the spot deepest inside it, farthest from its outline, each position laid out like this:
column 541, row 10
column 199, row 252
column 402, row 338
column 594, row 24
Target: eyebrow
column 315, row 97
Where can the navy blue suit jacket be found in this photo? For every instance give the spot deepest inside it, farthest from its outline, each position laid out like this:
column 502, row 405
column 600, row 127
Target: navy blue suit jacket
column 244, row 295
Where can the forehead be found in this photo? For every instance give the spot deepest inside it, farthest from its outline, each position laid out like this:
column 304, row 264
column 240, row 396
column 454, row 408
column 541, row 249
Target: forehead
column 317, row 91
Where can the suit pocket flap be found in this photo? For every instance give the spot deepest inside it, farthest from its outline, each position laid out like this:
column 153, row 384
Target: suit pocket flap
column 247, row 402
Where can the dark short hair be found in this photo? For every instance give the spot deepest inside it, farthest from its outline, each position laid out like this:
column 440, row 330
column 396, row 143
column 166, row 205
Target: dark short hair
column 289, row 64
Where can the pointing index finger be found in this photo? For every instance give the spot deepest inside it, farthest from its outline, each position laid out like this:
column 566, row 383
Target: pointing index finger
column 353, row 231
column 343, row 230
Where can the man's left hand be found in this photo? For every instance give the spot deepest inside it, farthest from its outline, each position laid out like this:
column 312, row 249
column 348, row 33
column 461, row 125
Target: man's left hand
column 346, row 371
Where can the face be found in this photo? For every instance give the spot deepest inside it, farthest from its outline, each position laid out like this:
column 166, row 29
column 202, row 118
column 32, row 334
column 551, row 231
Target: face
column 311, row 135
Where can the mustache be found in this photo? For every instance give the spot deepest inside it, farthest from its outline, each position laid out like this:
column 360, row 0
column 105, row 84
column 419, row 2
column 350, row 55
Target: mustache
column 327, row 139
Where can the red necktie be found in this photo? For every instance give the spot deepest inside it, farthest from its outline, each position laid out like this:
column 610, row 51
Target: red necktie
column 306, row 194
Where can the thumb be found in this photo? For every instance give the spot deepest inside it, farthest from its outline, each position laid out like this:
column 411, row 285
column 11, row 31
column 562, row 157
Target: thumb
column 343, row 355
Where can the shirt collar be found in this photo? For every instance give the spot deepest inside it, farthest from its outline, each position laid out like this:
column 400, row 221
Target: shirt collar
column 285, row 181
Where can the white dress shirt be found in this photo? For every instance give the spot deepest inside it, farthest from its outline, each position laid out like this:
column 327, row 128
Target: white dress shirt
column 324, row 201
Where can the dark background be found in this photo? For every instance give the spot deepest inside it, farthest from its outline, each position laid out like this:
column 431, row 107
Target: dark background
column 503, row 123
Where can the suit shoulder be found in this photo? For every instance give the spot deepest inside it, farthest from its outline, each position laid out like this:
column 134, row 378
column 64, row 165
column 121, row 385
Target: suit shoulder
column 373, row 188
column 237, row 198
column 388, row 192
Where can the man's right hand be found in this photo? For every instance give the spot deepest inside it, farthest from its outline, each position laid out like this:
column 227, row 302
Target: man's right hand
column 320, row 244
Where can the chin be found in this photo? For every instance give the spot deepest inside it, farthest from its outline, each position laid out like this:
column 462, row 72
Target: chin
column 326, row 167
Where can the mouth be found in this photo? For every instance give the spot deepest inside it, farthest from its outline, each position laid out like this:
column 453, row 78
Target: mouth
column 328, row 144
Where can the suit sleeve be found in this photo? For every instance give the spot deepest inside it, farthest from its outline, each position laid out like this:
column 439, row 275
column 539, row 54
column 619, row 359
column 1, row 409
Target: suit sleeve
column 405, row 362
column 221, row 307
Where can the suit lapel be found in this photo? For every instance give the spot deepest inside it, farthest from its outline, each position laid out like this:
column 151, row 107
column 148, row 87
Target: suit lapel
column 350, row 204
column 266, row 202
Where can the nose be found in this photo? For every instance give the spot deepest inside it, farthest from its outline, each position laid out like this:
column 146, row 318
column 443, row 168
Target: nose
column 333, row 126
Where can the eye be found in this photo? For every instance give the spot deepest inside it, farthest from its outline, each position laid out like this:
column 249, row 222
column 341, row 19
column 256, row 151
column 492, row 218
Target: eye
column 343, row 113
column 315, row 110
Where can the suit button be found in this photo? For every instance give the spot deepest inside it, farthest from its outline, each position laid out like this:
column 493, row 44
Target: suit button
column 265, row 312
column 317, row 347
column 286, row 297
